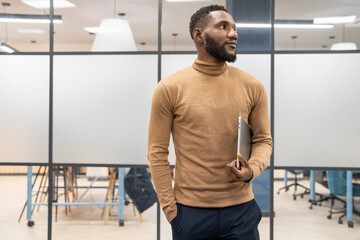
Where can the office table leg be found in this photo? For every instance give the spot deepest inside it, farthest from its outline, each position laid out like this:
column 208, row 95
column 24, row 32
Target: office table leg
column 121, row 196
column 349, row 197
column 312, row 188
column 30, row 223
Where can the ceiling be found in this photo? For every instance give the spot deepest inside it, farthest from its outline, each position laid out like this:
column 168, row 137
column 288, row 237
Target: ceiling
column 143, row 18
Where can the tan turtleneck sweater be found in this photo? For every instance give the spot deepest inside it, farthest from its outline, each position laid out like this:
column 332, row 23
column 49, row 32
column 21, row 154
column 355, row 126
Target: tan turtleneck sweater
column 200, row 106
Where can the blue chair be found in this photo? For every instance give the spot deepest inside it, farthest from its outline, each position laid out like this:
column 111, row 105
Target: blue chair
column 296, row 184
column 337, row 186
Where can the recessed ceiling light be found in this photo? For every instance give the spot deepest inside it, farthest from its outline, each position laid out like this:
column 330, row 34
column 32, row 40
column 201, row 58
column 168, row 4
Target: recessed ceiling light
column 42, row 4
column 31, row 31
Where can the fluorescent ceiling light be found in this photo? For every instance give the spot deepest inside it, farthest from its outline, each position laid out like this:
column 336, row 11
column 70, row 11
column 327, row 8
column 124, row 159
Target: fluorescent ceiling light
column 42, row 4
column 334, row 20
column 7, row 48
column 253, row 25
column 34, row 31
column 267, row 25
column 28, row 18
column 343, row 46
column 307, row 26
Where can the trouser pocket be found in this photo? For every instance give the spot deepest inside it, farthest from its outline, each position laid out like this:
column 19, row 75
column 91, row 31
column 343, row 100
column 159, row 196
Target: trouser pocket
column 176, row 222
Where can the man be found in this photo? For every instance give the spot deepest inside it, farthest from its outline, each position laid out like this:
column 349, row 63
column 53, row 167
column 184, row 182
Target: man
column 200, row 106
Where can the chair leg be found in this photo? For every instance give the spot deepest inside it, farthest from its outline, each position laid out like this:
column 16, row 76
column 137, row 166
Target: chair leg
column 331, row 208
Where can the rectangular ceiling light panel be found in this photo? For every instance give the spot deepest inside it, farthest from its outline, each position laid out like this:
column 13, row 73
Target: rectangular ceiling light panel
column 45, row 4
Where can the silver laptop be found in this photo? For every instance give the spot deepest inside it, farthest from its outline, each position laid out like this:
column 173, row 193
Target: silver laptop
column 244, row 139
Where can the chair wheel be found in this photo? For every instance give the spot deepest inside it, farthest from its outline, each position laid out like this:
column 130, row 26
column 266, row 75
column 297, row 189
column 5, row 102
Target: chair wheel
column 286, row 189
column 350, row 224
column 30, row 223
column 340, row 221
column 329, row 216
column 121, row 223
column 294, row 197
column 319, row 204
column 302, row 196
column 311, row 207
column 278, row 192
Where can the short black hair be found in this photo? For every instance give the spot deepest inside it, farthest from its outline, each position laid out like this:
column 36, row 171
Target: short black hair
column 199, row 18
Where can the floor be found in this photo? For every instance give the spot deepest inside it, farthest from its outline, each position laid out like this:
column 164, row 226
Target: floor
column 293, row 219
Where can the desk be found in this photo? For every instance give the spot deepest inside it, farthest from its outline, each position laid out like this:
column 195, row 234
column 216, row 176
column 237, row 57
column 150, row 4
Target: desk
column 29, row 202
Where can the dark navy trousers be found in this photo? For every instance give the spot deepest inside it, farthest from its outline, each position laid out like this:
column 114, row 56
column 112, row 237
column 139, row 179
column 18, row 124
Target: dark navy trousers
column 239, row 222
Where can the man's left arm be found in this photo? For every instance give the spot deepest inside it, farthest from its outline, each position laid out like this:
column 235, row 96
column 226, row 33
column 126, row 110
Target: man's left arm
column 260, row 125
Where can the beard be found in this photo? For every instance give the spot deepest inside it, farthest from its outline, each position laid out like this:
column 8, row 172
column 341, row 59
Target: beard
column 217, row 51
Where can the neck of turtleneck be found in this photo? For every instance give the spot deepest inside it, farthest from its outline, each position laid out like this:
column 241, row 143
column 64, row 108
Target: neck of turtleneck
column 209, row 68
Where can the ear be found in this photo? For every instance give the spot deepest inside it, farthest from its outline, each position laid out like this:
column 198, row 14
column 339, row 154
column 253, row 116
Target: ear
column 198, row 36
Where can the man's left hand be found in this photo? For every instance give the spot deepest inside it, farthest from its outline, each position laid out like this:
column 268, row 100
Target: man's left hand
column 234, row 174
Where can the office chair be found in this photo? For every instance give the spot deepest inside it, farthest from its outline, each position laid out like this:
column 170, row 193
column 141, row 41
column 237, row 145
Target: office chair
column 337, row 187
column 296, row 184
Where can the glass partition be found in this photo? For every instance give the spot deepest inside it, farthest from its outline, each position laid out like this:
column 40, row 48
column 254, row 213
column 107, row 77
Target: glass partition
column 102, row 108
column 313, row 204
column 24, row 108
column 317, row 25
column 24, row 27
column 257, row 65
column 252, row 20
column 96, row 201
column 175, row 23
column 107, row 25
column 317, row 110
column 20, row 190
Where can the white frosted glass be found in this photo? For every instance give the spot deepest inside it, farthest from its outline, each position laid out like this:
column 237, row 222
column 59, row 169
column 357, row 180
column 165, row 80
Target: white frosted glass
column 317, row 110
column 257, row 65
column 102, row 108
column 24, row 108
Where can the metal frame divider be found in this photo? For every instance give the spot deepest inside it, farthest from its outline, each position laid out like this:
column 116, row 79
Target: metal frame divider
column 51, row 56
column 272, row 43
column 158, row 207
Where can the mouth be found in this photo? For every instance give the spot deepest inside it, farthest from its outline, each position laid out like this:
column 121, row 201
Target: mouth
column 231, row 44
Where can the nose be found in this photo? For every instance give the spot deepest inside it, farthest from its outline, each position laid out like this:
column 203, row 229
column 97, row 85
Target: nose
column 233, row 34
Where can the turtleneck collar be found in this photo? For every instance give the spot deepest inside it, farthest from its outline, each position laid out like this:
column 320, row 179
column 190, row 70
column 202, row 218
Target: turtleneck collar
column 209, row 68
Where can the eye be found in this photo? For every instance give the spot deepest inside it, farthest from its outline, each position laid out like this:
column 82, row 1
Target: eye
column 223, row 26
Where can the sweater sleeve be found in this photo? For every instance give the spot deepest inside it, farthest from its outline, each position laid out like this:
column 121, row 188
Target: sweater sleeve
column 262, row 141
column 161, row 118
